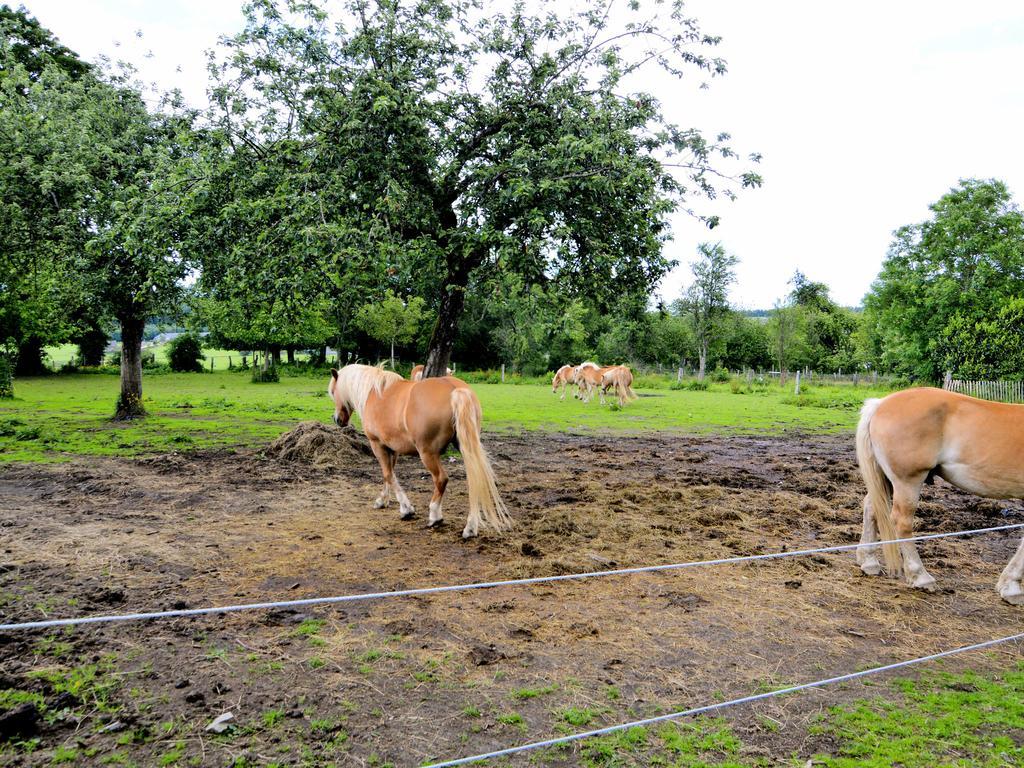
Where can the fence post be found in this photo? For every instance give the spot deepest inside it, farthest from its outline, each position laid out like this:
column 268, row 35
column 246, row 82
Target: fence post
column 797, row 390
column 679, row 375
column 502, row 373
column 947, row 382
column 211, row 363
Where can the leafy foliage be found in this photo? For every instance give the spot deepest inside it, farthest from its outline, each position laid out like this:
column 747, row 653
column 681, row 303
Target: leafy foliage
column 185, row 353
column 706, row 300
column 420, row 148
column 946, row 275
column 392, row 320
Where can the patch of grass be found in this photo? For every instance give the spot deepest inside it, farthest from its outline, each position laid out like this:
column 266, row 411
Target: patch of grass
column 272, row 717
column 173, row 755
column 940, row 719
column 13, row 697
column 309, row 628
column 513, row 719
column 470, row 711
column 64, row 754
column 522, row 694
column 90, row 684
column 54, row 418
column 576, row 716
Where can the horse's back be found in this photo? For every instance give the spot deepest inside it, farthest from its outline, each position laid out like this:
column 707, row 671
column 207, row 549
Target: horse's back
column 971, row 442
column 428, row 410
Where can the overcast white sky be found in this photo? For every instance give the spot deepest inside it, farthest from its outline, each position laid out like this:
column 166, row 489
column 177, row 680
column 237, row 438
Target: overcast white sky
column 865, row 113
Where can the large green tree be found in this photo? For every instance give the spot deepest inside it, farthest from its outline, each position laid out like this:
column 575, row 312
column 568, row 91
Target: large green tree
column 955, row 270
column 39, row 199
column 443, row 140
column 706, row 301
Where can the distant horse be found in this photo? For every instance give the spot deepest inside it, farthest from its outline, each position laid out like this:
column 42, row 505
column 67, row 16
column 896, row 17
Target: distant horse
column 416, row 374
column 587, row 377
column 619, row 378
column 563, row 378
column 406, row 417
column 911, row 436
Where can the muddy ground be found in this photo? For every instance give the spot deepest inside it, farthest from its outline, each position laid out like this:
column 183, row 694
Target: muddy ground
column 408, row 679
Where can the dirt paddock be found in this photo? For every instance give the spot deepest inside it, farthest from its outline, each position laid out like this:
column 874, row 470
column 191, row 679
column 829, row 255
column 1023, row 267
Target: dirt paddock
column 438, row 677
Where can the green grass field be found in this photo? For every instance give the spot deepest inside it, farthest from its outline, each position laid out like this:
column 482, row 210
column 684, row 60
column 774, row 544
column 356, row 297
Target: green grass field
column 55, row 418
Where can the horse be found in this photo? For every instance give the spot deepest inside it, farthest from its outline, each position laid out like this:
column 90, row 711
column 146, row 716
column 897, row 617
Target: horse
column 620, row 378
column 416, row 374
column 909, row 437
column 587, row 377
column 563, row 378
column 402, row 417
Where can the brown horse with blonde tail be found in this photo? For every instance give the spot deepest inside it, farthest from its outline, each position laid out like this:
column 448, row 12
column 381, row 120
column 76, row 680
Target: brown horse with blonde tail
column 403, row 417
column 619, row 378
column 416, row 374
column 563, row 378
column 911, row 436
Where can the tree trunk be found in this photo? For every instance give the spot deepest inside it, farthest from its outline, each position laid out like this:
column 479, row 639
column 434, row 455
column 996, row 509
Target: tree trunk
column 275, row 350
column 291, row 355
column 703, row 360
column 129, row 404
column 392, row 354
column 439, row 352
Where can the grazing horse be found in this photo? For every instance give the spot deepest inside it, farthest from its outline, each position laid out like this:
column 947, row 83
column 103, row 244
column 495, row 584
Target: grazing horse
column 416, row 374
column 911, row 436
column 406, row 417
column 563, row 378
column 587, row 377
column 620, row 378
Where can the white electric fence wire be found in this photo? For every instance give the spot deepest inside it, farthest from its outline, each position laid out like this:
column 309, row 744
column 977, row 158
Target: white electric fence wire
column 721, row 705
column 184, row 612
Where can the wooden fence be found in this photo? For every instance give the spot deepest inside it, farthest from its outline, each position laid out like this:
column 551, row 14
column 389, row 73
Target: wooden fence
column 1003, row 391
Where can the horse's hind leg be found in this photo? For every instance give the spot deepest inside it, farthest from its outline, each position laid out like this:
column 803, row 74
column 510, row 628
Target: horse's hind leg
column 867, row 556
column 1009, row 580
column 905, row 496
column 432, row 462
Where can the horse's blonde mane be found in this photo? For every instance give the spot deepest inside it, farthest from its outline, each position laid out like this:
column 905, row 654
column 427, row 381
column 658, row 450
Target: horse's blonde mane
column 355, row 382
column 589, row 364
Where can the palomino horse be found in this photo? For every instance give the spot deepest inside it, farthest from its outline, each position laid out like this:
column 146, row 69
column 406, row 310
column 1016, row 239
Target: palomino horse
column 620, row 378
column 405, row 417
column 911, row 436
column 563, row 378
column 416, row 374
column 587, row 378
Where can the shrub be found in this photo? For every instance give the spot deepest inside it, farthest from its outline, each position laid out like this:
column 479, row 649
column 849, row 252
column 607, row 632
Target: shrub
column 260, row 376
column 6, row 378
column 720, row 375
column 185, row 354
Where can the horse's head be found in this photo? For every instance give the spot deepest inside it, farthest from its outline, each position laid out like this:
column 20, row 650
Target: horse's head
column 342, row 410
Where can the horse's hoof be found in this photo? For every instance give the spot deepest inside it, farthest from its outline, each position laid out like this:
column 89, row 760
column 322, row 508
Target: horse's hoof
column 925, row 581
column 468, row 534
column 871, row 568
column 435, row 523
column 1012, row 593
column 408, row 514
column 379, row 504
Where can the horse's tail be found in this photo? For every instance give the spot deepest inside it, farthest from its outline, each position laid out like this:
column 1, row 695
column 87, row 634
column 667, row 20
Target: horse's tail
column 628, row 381
column 879, row 487
column 484, row 500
